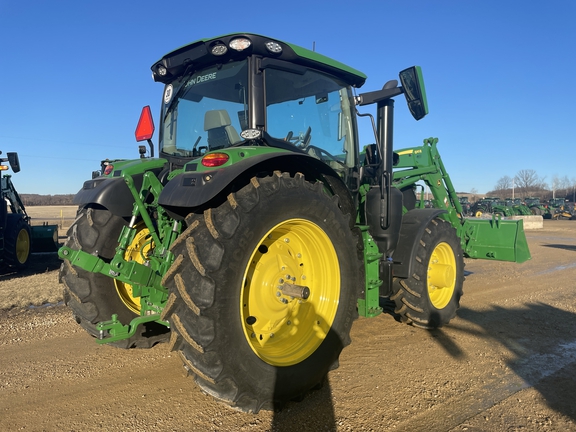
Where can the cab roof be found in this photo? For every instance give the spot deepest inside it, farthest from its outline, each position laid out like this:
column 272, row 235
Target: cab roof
column 205, row 52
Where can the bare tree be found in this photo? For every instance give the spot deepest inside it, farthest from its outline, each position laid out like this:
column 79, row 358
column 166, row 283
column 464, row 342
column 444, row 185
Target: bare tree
column 473, row 193
column 503, row 184
column 528, row 181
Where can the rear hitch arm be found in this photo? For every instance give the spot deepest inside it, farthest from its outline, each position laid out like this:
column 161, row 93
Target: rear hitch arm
column 117, row 331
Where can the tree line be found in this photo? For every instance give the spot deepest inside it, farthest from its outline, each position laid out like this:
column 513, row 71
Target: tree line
column 527, row 183
column 47, row 200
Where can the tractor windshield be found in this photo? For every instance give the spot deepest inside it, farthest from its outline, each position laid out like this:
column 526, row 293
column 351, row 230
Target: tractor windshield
column 208, row 109
column 314, row 112
column 205, row 111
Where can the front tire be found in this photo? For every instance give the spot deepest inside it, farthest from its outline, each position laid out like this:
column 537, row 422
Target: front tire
column 246, row 341
column 17, row 242
column 94, row 297
column 430, row 297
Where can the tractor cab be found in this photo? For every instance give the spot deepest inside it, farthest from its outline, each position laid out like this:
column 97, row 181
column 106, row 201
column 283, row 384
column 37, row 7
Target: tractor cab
column 248, row 90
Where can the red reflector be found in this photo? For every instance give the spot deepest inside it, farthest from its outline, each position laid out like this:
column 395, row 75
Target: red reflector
column 215, row 159
column 108, row 169
column 145, row 128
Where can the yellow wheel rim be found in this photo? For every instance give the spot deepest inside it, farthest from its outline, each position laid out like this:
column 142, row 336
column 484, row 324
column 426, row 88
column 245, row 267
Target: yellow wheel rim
column 22, row 246
column 137, row 251
column 441, row 275
column 281, row 329
column 478, row 213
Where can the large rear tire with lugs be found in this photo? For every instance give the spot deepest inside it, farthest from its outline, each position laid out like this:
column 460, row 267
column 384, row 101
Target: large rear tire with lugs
column 263, row 292
column 430, row 297
column 94, row 297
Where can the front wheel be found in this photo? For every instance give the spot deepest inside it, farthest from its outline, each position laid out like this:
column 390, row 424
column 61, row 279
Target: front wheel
column 17, row 241
column 431, row 295
column 263, row 292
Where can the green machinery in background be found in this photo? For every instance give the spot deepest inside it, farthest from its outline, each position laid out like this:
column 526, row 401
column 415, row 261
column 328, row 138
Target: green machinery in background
column 18, row 237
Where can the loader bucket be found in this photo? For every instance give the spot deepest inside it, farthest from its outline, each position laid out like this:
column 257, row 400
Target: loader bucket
column 495, row 239
column 45, row 238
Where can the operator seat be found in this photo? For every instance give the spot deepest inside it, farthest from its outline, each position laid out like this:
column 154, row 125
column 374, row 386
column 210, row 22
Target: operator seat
column 221, row 133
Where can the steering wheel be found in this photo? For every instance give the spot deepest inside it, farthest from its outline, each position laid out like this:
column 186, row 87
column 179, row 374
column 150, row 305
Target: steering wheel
column 300, row 141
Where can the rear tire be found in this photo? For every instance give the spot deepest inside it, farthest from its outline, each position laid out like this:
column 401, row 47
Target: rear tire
column 17, row 242
column 430, row 297
column 248, row 343
column 94, row 297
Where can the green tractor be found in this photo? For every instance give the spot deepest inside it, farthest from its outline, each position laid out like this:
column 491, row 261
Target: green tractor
column 537, row 208
column 18, row 238
column 518, row 207
column 260, row 233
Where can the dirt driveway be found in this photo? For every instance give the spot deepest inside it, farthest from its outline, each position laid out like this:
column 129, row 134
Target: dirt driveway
column 506, row 363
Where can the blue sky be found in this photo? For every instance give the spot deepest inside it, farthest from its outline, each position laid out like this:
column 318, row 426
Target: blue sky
column 74, row 76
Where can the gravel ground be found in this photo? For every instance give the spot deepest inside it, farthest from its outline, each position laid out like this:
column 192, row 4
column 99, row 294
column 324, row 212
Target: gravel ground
column 506, row 363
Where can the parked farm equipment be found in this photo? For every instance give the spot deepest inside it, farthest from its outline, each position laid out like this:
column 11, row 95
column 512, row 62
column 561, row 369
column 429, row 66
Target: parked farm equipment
column 255, row 239
column 559, row 208
column 537, row 208
column 18, row 237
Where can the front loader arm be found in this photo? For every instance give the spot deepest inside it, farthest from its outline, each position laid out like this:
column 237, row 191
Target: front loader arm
column 494, row 239
column 424, row 163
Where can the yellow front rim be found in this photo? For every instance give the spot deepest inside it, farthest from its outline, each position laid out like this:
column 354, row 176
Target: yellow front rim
column 441, row 275
column 281, row 329
column 22, row 246
column 137, row 251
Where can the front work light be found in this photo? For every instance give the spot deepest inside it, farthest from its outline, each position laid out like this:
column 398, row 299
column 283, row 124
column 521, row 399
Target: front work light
column 273, row 47
column 249, row 134
column 219, row 49
column 240, row 44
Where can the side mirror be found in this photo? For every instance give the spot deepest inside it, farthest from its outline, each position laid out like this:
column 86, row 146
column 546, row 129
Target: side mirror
column 13, row 161
column 413, row 88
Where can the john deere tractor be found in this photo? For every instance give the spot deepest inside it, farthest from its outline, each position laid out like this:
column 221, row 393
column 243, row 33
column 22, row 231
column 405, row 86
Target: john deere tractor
column 18, row 238
column 262, row 230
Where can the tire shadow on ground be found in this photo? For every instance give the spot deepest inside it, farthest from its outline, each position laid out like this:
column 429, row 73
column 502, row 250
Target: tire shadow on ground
column 543, row 349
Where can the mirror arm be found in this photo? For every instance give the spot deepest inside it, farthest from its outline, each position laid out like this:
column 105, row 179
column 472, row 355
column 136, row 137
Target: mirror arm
column 378, row 96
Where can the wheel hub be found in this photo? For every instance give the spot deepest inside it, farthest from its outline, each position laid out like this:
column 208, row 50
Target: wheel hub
column 291, row 292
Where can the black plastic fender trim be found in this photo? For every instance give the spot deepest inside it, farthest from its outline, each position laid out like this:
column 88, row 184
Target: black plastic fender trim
column 194, row 189
column 109, row 192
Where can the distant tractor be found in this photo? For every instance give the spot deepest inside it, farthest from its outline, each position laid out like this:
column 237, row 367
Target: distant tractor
column 18, row 238
column 537, row 208
column 466, row 205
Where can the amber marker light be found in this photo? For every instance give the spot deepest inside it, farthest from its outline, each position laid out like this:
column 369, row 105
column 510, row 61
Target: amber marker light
column 215, row 159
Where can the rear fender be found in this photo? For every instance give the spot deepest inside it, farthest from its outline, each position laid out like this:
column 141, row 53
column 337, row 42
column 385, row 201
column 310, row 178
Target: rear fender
column 192, row 190
column 109, row 192
column 413, row 224
column 113, row 192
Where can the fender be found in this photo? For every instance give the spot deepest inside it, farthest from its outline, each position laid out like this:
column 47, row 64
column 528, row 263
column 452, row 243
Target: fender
column 413, row 224
column 192, row 189
column 113, row 192
column 109, row 192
